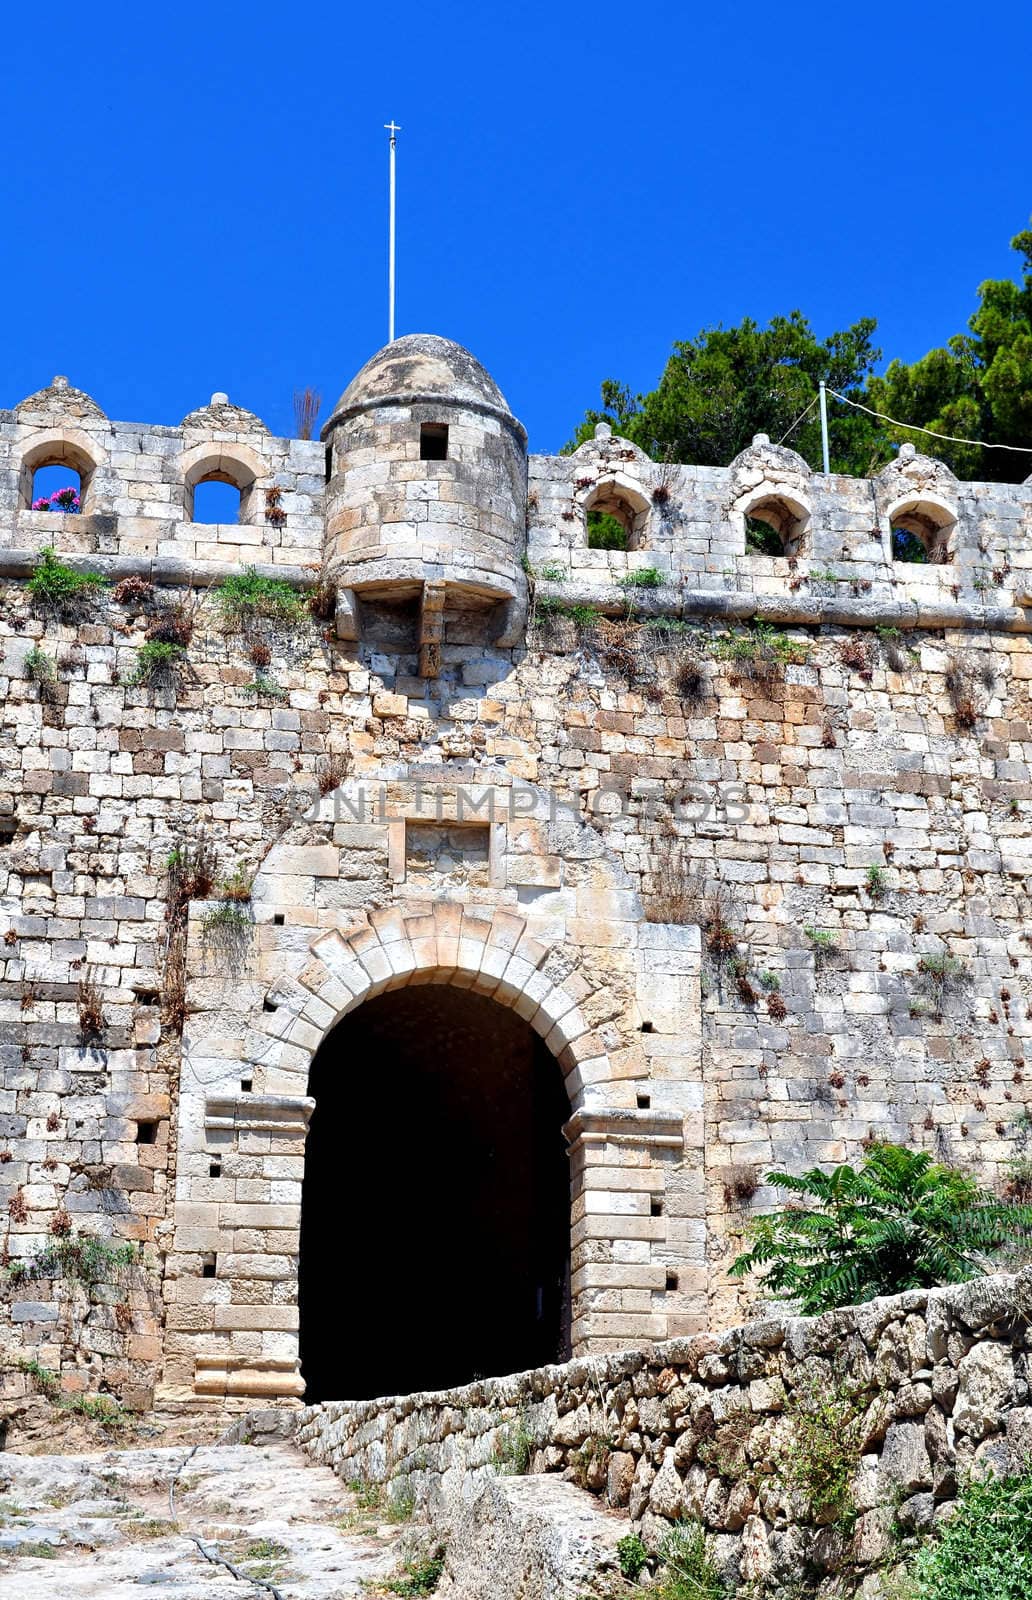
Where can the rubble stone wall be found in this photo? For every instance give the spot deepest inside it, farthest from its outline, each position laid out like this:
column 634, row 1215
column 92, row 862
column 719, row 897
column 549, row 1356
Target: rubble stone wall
column 913, row 1394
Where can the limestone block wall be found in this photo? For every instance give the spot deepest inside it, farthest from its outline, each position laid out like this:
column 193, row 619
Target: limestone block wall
column 138, row 483
column 916, row 1393
column 622, row 781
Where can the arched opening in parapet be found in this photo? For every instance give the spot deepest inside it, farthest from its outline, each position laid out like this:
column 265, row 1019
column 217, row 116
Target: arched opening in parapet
column 615, row 517
column 775, row 525
column 56, row 487
column 435, row 1215
column 922, row 532
column 220, row 488
column 55, row 476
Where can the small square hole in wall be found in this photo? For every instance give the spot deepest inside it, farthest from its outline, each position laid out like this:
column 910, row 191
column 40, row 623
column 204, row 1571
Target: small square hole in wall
column 671, row 1281
column 246, row 1085
column 215, row 1168
column 278, row 919
column 433, row 441
column 146, row 1133
column 269, row 1004
column 655, row 1206
column 644, row 1102
column 647, row 1027
column 147, row 997
column 208, row 1265
column 8, row 829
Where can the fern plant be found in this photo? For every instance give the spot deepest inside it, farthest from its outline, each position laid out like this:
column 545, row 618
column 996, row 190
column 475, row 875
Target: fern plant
column 900, row 1221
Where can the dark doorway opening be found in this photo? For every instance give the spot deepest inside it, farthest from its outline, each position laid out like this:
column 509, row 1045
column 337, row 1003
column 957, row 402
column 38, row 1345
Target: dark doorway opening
column 435, row 1215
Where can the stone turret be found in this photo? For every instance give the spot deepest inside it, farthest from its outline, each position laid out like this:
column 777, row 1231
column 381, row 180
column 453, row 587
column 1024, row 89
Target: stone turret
column 427, row 487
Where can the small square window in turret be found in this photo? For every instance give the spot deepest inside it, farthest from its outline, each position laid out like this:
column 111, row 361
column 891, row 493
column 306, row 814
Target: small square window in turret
column 433, row 441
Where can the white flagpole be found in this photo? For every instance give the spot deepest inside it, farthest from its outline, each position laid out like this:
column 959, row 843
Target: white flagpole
column 825, row 454
column 393, row 129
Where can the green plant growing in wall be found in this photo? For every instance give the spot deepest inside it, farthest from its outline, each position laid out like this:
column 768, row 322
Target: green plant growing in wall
column 822, row 1453
column 263, row 685
column 689, row 1571
column 876, row 882
column 552, row 572
column 641, row 578
column 247, row 596
column 515, row 1448
column 40, row 670
column 158, row 665
column 942, row 974
column 44, row 1380
column 56, row 587
column 900, row 1221
column 225, row 919
column 823, row 943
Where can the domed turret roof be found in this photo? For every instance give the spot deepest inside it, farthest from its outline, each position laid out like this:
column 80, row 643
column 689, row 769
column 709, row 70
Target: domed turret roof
column 422, row 367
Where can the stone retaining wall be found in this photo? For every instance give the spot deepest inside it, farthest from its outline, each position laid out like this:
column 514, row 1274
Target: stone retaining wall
column 914, row 1393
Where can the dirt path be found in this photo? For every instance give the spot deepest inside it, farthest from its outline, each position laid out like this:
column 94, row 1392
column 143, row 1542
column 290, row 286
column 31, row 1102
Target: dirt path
column 98, row 1527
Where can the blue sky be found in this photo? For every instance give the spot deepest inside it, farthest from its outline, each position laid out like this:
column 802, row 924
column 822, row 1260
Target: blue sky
column 195, row 195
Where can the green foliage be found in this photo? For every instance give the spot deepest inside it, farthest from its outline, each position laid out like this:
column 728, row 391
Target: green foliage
column 157, row 664
column 906, row 546
column 515, row 1448
column 44, row 1379
column 823, row 943
column 421, row 1577
column 689, row 1571
column 226, row 917
column 34, row 1551
column 875, row 882
column 266, row 1550
column 57, row 587
column 762, row 539
column 605, row 532
column 39, row 669
column 632, row 1556
column 978, row 385
column 82, row 1258
column 759, row 653
column 99, row 1408
column 581, row 616
column 822, row 1455
column 552, row 572
column 642, row 578
column 900, row 1221
column 264, row 685
column 984, row 1551
column 401, row 1503
column 247, row 595
column 727, row 384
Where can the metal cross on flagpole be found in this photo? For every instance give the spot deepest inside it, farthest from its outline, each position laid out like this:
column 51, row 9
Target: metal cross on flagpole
column 393, row 129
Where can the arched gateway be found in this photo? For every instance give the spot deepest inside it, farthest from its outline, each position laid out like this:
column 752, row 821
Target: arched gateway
column 504, row 1096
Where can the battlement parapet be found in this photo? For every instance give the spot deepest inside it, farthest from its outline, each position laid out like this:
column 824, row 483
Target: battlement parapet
column 137, row 484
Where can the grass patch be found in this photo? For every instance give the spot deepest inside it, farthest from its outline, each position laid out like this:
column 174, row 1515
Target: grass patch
column 689, row 1572
column 44, row 1379
column 57, row 587
column 421, row 1577
column 247, row 595
column 158, row 665
column 641, row 578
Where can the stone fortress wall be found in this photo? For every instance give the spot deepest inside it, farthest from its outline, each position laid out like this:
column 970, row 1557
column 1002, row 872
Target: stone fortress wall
column 891, row 731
